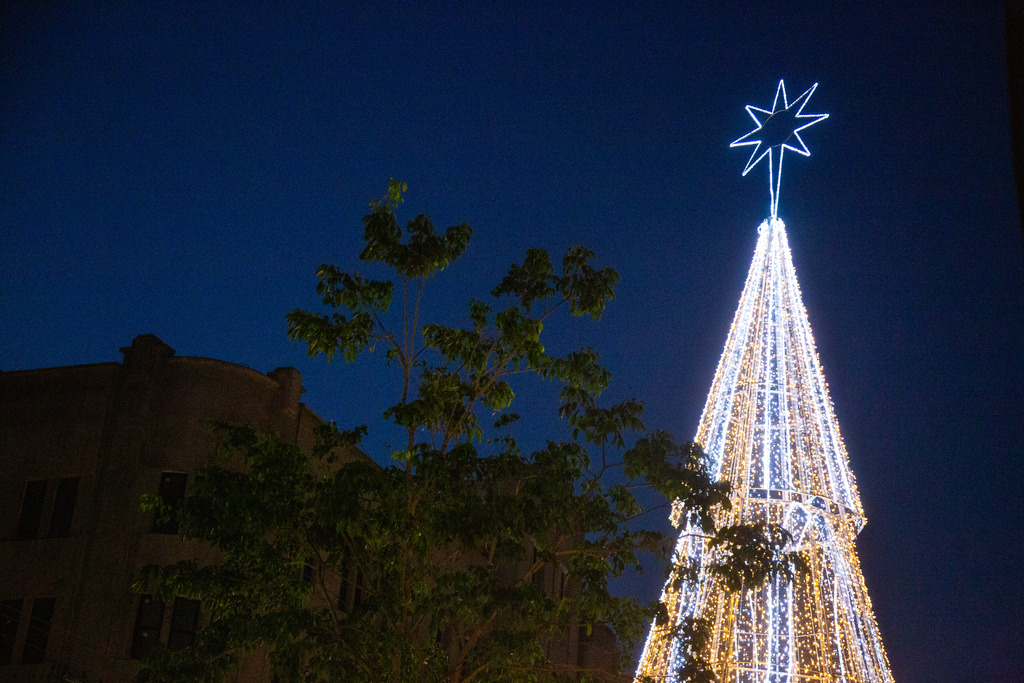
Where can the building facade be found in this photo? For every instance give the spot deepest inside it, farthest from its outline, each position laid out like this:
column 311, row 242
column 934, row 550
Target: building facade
column 79, row 447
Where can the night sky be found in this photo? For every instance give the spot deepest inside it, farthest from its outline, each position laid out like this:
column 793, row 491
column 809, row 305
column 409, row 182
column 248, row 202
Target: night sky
column 181, row 169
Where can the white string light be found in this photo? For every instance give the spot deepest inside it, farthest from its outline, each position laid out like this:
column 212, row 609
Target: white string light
column 769, row 428
column 779, row 129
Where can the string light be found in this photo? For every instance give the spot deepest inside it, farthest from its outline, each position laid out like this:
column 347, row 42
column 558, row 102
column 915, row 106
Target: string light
column 770, row 429
column 778, row 129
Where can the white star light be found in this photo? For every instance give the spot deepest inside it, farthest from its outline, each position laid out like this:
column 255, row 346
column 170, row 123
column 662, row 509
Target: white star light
column 779, row 129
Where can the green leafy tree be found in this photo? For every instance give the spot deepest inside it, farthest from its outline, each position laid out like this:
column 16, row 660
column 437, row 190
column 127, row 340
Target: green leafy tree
column 465, row 559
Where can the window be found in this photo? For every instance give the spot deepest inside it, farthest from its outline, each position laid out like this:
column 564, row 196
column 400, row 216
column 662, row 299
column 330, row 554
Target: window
column 539, row 575
column 148, row 621
column 31, row 509
column 63, row 507
column 352, row 579
column 352, row 583
column 343, row 589
column 172, row 491
column 184, row 620
column 38, row 632
column 357, row 596
column 10, row 616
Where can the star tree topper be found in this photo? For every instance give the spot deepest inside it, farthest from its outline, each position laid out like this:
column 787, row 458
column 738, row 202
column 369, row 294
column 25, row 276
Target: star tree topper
column 778, row 128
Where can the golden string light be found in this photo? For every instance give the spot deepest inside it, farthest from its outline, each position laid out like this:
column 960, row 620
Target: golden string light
column 770, row 429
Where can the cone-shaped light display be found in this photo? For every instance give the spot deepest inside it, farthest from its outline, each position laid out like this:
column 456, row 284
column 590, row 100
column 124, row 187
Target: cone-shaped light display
column 769, row 428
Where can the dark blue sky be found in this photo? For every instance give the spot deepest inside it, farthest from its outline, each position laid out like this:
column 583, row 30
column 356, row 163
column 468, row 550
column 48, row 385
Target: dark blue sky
column 182, row 169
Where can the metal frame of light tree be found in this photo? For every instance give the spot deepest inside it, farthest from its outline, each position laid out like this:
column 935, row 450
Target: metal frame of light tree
column 769, row 428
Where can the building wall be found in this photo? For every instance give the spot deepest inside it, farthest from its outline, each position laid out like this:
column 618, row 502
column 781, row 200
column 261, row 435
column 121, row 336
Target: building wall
column 116, row 427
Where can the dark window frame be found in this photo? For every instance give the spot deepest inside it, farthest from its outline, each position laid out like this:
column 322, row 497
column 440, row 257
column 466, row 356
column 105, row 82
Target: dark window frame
column 10, row 620
column 63, row 514
column 32, row 501
column 149, row 621
column 343, row 588
column 184, row 623
column 172, row 492
column 37, row 635
column 360, row 586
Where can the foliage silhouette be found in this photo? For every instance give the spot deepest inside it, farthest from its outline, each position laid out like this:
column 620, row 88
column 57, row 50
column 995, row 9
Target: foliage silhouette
column 465, row 559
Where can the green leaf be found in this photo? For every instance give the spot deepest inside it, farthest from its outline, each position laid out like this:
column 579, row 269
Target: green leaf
column 463, row 553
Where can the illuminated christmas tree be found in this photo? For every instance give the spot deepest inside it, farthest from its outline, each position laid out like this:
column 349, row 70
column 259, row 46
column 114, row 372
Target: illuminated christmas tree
column 769, row 428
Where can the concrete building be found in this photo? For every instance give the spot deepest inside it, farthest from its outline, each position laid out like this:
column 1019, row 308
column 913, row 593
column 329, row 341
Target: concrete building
column 79, row 446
